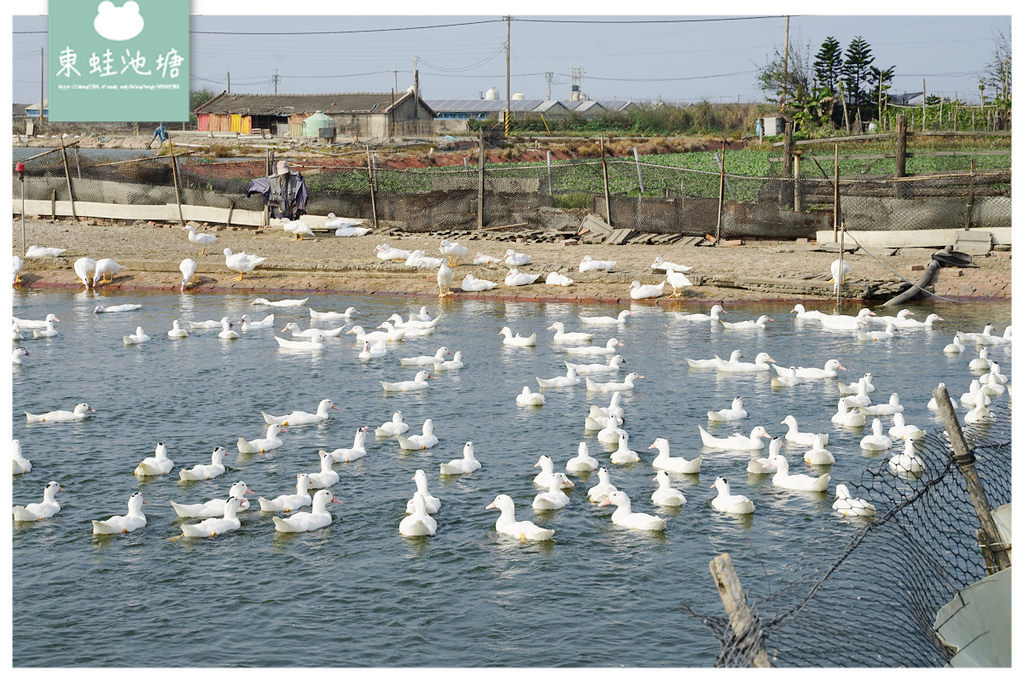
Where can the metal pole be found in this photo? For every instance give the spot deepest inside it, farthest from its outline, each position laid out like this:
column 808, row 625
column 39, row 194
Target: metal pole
column 508, row 74
column 721, row 195
column 835, row 193
column 23, row 242
column 67, row 176
column 607, row 195
column 369, row 177
column 551, row 190
column 842, row 253
column 480, row 184
column 639, row 175
column 177, row 190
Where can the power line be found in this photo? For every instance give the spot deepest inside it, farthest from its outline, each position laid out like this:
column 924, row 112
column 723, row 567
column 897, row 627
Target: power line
column 645, row 21
column 343, row 31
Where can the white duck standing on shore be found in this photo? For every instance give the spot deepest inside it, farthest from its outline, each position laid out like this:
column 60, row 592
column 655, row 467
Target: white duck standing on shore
column 464, row 465
column 582, row 462
column 106, row 269
column 393, row 427
column 20, row 464
column 188, row 268
column 796, row 482
column 662, row 265
column 848, row 506
column 156, row 464
column 325, row 477
column 418, row 522
column 215, row 506
column 268, row 443
column 80, row 412
column 639, row 291
column 242, row 262
column 414, row 384
column 453, row 250
column 433, row 504
column 734, row 412
column 289, row 501
column 554, row 498
column 876, row 440
column 203, row 472
column 517, row 278
column 676, row 281
column 507, row 525
column 794, row 435
column 678, row 465
column 726, row 501
column 139, row 337
column 714, row 316
column 736, row 442
column 514, row 258
column 216, row 526
column 301, row 417
column 203, row 239
column 122, row 524
column 517, row 339
column 445, row 277
column 627, row 384
column 665, row 495
column 619, row 319
column 298, row 229
column 356, row 451
column 419, row 442
column 563, row 337
column 317, row 518
column 588, row 264
column 48, row 507
column 85, row 269
column 602, row 489
column 624, row 515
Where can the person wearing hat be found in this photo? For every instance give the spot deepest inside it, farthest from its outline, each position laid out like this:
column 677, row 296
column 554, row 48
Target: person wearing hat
column 285, row 192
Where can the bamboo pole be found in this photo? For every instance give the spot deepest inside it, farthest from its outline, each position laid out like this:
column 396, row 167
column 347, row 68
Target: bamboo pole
column 964, row 458
column 607, row 195
column 842, row 255
column 369, row 179
column 177, row 190
column 551, row 189
column 721, row 195
column 835, row 193
column 639, row 175
column 480, row 184
column 798, row 203
column 744, row 624
column 67, row 177
column 970, row 199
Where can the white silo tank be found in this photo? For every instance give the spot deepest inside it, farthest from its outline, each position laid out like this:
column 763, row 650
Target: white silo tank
column 518, row 96
column 491, row 94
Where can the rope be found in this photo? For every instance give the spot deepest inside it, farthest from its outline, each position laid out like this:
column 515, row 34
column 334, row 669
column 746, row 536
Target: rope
column 900, row 276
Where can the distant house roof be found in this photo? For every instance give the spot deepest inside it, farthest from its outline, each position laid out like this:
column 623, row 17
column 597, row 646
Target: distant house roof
column 550, row 106
column 285, row 105
column 586, row 106
column 34, row 108
column 481, row 106
column 904, row 98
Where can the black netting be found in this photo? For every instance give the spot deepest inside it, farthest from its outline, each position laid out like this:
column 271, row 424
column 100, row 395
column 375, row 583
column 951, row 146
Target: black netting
column 876, row 604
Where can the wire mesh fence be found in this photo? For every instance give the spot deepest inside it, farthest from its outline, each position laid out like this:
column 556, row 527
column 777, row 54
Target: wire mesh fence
column 875, row 605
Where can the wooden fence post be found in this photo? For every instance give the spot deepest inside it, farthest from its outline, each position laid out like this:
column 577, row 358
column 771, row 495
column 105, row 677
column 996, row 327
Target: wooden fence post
column 901, row 151
column 480, row 184
column 970, row 199
column 835, row 193
column 639, row 175
column 177, row 190
column 551, row 191
column 744, row 625
column 370, row 181
column 67, row 176
column 798, row 202
column 963, row 456
column 787, row 165
column 721, row 194
column 607, row 195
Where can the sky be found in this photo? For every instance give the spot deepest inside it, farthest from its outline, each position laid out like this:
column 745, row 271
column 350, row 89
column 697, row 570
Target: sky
column 672, row 58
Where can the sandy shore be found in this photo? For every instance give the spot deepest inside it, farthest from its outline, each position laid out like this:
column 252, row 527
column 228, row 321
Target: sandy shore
column 151, row 253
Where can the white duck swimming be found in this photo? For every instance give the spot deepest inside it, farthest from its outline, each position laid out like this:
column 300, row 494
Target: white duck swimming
column 974, row 395
column 85, row 268
column 43, row 252
column 712, row 363
column 901, row 430
column 664, row 461
column 464, row 465
column 547, row 473
column 156, row 464
column 140, row 337
column 897, row 320
column 845, row 322
column 203, row 239
column 570, row 378
column 877, row 335
column 639, row 291
column 216, row 526
column 619, row 319
column 517, row 339
column 516, row 278
column 604, row 488
column 378, row 349
column 818, row 454
column 332, row 316
column 188, row 268
column 796, row 482
column 993, row 375
column 35, row 324
column 393, row 427
column 20, row 464
column 624, row 515
column 80, row 412
column 393, row 333
column 582, row 462
column 176, row 331
column 419, row 442
column 308, row 333
column 122, row 524
column 847, row 415
column 226, row 332
column 865, row 383
column 979, row 413
column 202, row 472
column 661, row 264
column 475, row 284
column 106, row 269
column 438, row 357
column 314, row 343
column 118, row 308
column 933, row 404
column 925, row 324
column 623, row 455
column 514, row 258
column 860, row 398
column 764, row 465
column 553, row 498
column 558, row 280
column 892, row 407
column 794, row 435
column 48, row 507
column 215, row 506
column 906, row 461
column 375, row 336
column 242, row 262
column 18, row 353
column 955, row 346
column 46, row 332
column 610, row 348
column 995, row 340
column 848, row 506
column 665, row 495
column 418, row 382
column 627, row 384
column 734, row 412
column 354, row 452
column 610, row 421
column 289, row 501
column 588, row 264
column 991, row 386
column 614, row 364
column 207, row 324
column 433, row 504
column 981, row 363
column 759, row 324
column 317, row 518
column 876, row 440
column 507, row 524
column 563, row 337
column 713, row 317
column 269, row 443
column 611, row 432
column 326, row 477
column 484, row 259
column 760, row 364
column 828, row 371
column 301, row 417
column 418, row 522
column 726, row 501
column 803, row 314
column 737, row 441
column 455, row 363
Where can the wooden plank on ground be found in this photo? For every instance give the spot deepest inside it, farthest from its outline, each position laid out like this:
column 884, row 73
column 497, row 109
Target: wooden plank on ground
column 595, row 225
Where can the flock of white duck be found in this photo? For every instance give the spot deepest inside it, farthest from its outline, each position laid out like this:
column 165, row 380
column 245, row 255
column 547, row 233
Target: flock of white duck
column 855, row 407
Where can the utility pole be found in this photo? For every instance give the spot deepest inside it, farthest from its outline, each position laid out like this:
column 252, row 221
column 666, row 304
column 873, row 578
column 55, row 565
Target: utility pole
column 229, row 81
column 276, row 79
column 416, row 86
column 549, row 75
column 396, row 79
column 785, row 66
column 42, row 77
column 508, row 74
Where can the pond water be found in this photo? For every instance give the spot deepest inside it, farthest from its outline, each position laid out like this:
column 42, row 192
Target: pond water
column 357, row 593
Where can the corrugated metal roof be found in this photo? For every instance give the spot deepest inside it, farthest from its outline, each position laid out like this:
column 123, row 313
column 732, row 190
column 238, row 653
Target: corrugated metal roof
column 284, row 105
column 548, row 105
column 477, row 106
column 585, row 105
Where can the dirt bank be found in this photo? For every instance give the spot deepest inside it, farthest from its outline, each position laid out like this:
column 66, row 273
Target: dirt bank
column 758, row 271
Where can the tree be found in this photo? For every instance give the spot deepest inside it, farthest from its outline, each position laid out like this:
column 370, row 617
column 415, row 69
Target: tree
column 855, row 71
column 796, row 77
column 828, row 65
column 881, row 81
column 998, row 71
column 197, row 98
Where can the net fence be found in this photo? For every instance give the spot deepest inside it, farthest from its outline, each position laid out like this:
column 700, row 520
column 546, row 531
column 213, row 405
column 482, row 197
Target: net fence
column 875, row 605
